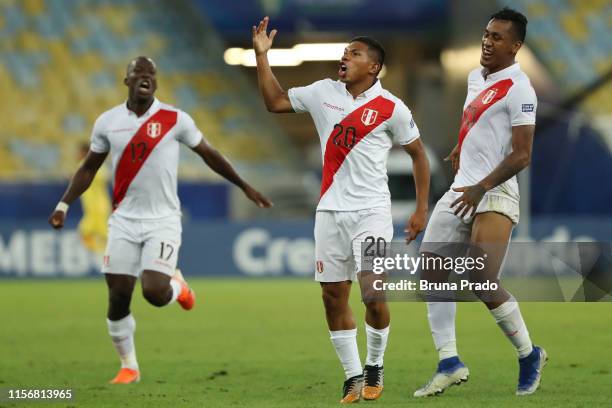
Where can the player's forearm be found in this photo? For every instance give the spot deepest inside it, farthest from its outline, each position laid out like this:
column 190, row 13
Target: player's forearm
column 269, row 87
column 79, row 183
column 222, row 167
column 508, row 168
column 420, row 169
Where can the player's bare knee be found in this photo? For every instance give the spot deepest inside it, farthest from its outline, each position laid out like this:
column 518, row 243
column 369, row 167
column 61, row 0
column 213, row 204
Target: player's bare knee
column 330, row 300
column 120, row 296
column 376, row 308
column 156, row 288
column 481, row 295
column 334, row 299
column 119, row 300
column 335, row 293
column 155, row 295
column 154, row 298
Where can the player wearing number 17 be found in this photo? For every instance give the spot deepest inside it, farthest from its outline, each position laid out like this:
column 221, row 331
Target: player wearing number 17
column 143, row 136
column 357, row 122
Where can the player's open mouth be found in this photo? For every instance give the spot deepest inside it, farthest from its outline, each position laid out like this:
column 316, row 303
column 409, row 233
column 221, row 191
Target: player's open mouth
column 486, row 52
column 342, row 70
column 144, row 86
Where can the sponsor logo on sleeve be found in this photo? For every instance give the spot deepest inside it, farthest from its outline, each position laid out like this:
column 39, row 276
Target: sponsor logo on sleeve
column 527, row 107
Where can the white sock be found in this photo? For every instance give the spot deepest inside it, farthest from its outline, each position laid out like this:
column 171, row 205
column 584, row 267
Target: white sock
column 441, row 316
column 122, row 334
column 448, row 350
column 377, row 343
column 345, row 343
column 508, row 317
column 176, row 290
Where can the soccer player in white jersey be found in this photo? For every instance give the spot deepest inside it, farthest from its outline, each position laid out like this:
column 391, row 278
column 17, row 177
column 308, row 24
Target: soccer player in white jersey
column 143, row 136
column 482, row 206
column 357, row 122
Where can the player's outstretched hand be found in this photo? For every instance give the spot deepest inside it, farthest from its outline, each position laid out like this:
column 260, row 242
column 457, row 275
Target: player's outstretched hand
column 256, row 197
column 453, row 157
column 57, row 219
column 415, row 224
column 469, row 200
column 262, row 42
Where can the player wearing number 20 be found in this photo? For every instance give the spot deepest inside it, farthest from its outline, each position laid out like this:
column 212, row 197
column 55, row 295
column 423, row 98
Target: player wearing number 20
column 357, row 122
column 143, row 136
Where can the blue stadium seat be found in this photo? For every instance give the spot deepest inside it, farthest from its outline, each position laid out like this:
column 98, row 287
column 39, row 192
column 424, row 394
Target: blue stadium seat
column 74, row 54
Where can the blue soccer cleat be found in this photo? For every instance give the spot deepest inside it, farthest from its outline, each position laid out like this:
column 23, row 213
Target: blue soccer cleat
column 450, row 371
column 530, row 373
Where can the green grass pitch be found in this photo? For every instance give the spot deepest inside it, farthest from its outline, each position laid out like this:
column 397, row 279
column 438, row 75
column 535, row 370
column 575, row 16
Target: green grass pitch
column 264, row 343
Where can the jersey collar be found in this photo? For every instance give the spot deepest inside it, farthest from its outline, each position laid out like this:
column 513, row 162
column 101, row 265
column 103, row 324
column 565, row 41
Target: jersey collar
column 368, row 93
column 152, row 109
column 504, row 73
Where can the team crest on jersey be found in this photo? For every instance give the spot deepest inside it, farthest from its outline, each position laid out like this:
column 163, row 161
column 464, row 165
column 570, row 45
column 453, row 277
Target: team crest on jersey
column 489, row 96
column 154, row 129
column 319, row 265
column 369, row 116
column 106, row 260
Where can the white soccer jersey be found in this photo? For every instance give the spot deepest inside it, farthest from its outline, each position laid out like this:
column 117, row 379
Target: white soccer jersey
column 492, row 107
column 356, row 135
column 145, row 155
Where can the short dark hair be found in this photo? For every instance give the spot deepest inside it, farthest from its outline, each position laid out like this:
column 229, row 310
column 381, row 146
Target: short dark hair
column 373, row 46
column 518, row 19
column 140, row 57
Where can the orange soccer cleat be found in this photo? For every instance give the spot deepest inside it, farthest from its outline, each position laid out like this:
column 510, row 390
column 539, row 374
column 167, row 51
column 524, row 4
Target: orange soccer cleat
column 373, row 382
column 187, row 296
column 351, row 391
column 126, row 376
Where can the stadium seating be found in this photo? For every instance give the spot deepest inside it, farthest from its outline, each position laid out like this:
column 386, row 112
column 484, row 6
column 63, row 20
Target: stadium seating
column 62, row 62
column 572, row 39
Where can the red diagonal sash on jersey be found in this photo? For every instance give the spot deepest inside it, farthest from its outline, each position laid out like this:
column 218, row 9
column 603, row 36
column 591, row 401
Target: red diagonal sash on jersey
column 138, row 150
column 480, row 104
column 353, row 128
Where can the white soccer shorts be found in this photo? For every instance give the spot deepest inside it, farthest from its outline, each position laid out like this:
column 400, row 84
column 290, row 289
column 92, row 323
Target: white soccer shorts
column 446, row 227
column 338, row 239
column 137, row 245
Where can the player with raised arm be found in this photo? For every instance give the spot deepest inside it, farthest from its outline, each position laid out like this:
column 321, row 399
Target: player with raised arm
column 495, row 142
column 357, row 122
column 143, row 136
